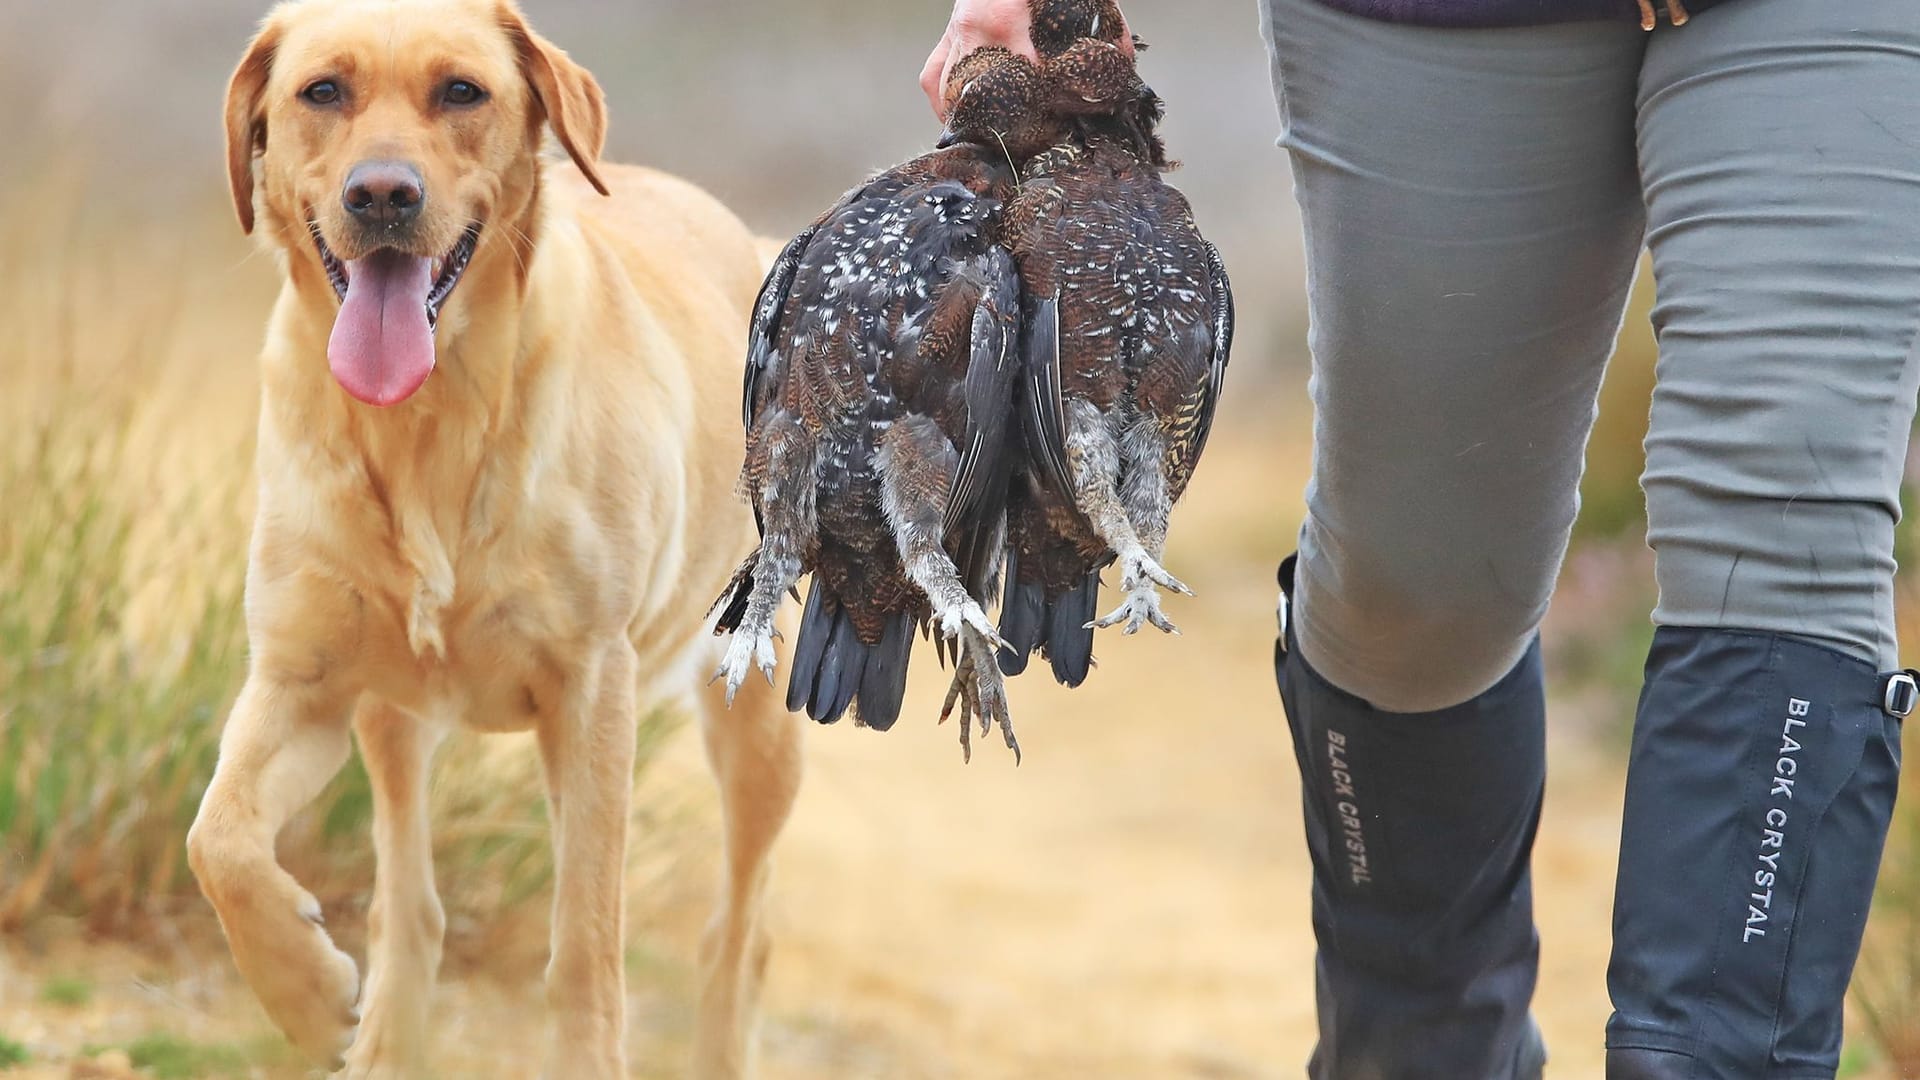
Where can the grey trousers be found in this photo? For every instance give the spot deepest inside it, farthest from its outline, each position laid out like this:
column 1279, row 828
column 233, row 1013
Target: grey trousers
column 1474, row 205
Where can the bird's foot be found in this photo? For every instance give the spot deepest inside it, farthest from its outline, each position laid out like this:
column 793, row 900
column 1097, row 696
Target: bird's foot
column 1139, row 576
column 980, row 691
column 1141, row 607
column 751, row 647
column 956, row 616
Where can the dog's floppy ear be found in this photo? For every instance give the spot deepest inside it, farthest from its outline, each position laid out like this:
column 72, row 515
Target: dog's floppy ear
column 576, row 107
column 246, row 122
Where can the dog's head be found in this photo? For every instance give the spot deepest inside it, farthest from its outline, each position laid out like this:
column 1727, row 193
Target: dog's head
column 389, row 143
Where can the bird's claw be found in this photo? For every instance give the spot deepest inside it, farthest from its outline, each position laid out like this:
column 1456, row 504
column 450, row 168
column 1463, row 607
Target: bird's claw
column 980, row 691
column 1141, row 607
column 956, row 619
column 749, row 649
column 1139, row 574
column 1141, row 567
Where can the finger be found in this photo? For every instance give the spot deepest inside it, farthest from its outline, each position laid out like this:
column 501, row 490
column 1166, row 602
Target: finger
column 933, row 75
column 954, row 55
column 1021, row 40
column 1017, row 32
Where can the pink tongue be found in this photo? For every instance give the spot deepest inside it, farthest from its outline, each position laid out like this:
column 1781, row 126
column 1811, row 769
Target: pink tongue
column 382, row 347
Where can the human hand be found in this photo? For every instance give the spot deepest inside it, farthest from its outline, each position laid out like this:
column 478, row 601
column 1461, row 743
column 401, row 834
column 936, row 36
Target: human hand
column 976, row 24
column 979, row 24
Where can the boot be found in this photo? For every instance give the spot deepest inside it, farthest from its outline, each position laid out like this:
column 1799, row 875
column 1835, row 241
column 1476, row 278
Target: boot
column 1759, row 792
column 1420, row 827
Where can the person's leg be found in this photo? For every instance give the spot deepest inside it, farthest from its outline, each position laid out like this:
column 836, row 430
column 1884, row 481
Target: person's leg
column 1780, row 147
column 1472, row 219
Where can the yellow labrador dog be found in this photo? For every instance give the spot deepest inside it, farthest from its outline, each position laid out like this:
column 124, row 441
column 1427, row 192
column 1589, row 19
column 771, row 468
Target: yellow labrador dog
column 493, row 493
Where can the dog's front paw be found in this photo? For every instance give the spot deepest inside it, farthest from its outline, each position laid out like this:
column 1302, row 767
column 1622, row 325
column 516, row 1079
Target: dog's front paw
column 309, row 987
column 382, row 1052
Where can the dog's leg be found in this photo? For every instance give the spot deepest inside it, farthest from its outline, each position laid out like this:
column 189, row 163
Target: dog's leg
column 755, row 754
column 406, row 923
column 587, row 748
column 282, row 744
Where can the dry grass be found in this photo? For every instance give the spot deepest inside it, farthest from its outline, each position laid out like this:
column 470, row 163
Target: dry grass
column 124, row 443
column 1130, row 903
column 1886, row 989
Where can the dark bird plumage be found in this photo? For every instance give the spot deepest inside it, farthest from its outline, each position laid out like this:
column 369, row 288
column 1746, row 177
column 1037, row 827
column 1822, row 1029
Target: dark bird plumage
column 1127, row 325
column 1058, row 25
column 878, row 403
column 997, row 361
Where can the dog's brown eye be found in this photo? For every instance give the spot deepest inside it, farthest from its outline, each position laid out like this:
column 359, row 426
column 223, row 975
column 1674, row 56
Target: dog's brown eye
column 324, row 92
column 461, row 92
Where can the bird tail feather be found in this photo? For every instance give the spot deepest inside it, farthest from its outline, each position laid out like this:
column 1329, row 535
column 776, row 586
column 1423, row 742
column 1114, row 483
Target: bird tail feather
column 833, row 668
column 1059, row 627
column 1070, row 630
column 732, row 604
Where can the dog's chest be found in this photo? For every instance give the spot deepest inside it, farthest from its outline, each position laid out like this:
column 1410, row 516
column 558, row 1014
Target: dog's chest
column 492, row 625
column 496, row 661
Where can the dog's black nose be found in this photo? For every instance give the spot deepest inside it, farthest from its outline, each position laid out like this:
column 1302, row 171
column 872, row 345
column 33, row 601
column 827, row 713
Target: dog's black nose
column 384, row 193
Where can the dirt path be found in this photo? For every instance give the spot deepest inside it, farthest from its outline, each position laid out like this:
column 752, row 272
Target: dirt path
column 1132, row 901
column 1129, row 903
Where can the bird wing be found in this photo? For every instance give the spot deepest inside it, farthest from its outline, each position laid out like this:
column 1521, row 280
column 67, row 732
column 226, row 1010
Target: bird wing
column 765, row 328
column 992, row 369
column 769, row 308
column 1043, row 412
column 1193, row 419
column 976, row 510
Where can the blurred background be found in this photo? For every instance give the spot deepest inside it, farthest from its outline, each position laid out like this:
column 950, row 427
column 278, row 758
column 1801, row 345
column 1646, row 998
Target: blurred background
column 1130, row 903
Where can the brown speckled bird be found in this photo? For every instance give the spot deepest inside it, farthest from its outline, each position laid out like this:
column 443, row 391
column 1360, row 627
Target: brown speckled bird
column 1127, row 324
column 878, row 402
column 1058, row 25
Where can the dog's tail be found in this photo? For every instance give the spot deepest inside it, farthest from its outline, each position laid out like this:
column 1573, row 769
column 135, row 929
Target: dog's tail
column 833, row 669
column 1060, row 626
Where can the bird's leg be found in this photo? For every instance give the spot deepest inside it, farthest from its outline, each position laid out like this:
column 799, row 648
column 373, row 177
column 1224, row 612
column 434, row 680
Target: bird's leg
column 1149, row 506
column 781, row 468
column 916, row 464
column 980, row 690
column 1093, row 460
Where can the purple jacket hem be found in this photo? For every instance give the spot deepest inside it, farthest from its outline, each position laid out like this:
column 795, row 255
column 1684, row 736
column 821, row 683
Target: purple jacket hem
column 1486, row 13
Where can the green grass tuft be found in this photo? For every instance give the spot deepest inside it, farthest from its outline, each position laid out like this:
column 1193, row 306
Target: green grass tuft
column 12, row 1054
column 122, row 646
column 66, row 990
column 168, row 1057
column 106, row 744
